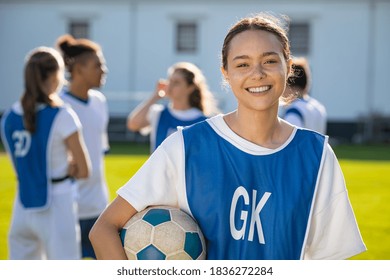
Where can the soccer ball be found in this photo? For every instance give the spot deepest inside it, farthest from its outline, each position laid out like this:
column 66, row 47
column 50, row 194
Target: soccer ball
column 162, row 233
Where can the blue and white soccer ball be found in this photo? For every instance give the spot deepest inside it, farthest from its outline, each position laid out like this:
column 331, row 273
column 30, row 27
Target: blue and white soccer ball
column 163, row 233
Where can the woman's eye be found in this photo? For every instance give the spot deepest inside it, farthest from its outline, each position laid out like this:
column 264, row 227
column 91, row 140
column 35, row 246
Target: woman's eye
column 271, row 61
column 242, row 65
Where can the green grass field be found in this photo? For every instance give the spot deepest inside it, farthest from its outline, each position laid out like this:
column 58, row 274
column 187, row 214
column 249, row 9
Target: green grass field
column 366, row 170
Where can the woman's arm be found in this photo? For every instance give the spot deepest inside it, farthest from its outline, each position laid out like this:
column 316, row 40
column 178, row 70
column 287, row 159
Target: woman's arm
column 79, row 167
column 138, row 117
column 104, row 235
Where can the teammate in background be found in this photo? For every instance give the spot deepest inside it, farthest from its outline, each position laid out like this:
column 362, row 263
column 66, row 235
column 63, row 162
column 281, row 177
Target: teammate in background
column 305, row 111
column 44, row 141
column 190, row 102
column 86, row 65
column 242, row 175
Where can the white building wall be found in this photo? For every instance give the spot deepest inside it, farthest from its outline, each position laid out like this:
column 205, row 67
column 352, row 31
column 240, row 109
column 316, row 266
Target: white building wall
column 378, row 89
column 339, row 66
column 349, row 70
column 26, row 26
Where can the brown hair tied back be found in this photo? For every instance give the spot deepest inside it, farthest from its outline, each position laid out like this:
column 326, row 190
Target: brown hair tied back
column 40, row 64
column 300, row 80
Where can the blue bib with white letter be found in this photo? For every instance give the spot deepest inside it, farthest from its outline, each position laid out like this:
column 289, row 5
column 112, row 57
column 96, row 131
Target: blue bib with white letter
column 29, row 153
column 251, row 206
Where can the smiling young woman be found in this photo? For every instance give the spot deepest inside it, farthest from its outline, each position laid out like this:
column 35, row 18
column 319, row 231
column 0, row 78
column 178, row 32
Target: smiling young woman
column 256, row 71
column 258, row 187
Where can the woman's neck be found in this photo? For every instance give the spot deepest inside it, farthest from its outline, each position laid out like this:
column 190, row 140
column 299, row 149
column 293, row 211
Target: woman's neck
column 55, row 100
column 180, row 105
column 79, row 90
column 262, row 128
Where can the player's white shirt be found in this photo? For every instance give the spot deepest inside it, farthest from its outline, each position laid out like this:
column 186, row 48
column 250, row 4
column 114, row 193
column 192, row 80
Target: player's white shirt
column 311, row 114
column 153, row 118
column 332, row 233
column 93, row 115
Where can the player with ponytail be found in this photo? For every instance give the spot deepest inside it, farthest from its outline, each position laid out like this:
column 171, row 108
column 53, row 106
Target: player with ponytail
column 43, row 138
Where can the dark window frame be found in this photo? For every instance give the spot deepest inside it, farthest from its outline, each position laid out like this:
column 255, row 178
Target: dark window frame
column 299, row 35
column 187, row 37
column 79, row 28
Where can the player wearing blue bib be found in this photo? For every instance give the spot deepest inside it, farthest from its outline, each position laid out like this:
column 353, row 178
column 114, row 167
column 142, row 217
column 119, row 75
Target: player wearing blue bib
column 266, row 195
column 43, row 140
column 85, row 63
column 258, row 187
column 26, row 148
column 305, row 111
column 190, row 102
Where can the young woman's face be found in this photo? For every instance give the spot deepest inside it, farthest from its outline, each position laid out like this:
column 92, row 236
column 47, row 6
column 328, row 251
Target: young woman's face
column 93, row 70
column 256, row 69
column 177, row 87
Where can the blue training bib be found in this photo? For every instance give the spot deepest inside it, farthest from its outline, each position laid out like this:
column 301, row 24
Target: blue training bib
column 29, row 154
column 168, row 124
column 251, row 206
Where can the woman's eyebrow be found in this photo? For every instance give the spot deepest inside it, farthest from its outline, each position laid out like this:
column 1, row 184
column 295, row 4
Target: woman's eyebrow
column 244, row 56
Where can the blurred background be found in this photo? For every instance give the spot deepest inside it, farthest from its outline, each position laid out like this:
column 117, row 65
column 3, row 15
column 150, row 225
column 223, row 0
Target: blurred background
column 346, row 41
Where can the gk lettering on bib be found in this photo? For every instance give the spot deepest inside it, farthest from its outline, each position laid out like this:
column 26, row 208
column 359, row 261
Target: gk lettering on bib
column 251, row 206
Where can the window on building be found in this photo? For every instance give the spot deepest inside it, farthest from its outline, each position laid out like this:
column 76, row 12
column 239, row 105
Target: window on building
column 186, row 37
column 79, row 29
column 299, row 35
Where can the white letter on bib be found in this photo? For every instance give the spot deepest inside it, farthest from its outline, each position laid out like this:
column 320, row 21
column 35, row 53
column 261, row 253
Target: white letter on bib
column 238, row 233
column 255, row 219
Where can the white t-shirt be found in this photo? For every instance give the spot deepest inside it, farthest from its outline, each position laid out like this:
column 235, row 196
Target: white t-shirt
column 332, row 231
column 93, row 115
column 65, row 124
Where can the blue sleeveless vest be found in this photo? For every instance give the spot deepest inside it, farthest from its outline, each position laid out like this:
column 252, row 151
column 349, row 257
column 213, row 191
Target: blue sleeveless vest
column 168, row 124
column 251, row 206
column 29, row 153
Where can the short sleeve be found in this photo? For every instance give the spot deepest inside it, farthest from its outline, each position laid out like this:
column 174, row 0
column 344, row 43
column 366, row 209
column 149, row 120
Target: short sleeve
column 333, row 232
column 158, row 180
column 154, row 113
column 152, row 117
column 69, row 121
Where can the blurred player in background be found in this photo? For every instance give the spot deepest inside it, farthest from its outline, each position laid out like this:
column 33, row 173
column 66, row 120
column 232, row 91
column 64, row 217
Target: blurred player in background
column 43, row 138
column 305, row 111
column 243, row 175
column 190, row 101
column 86, row 66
